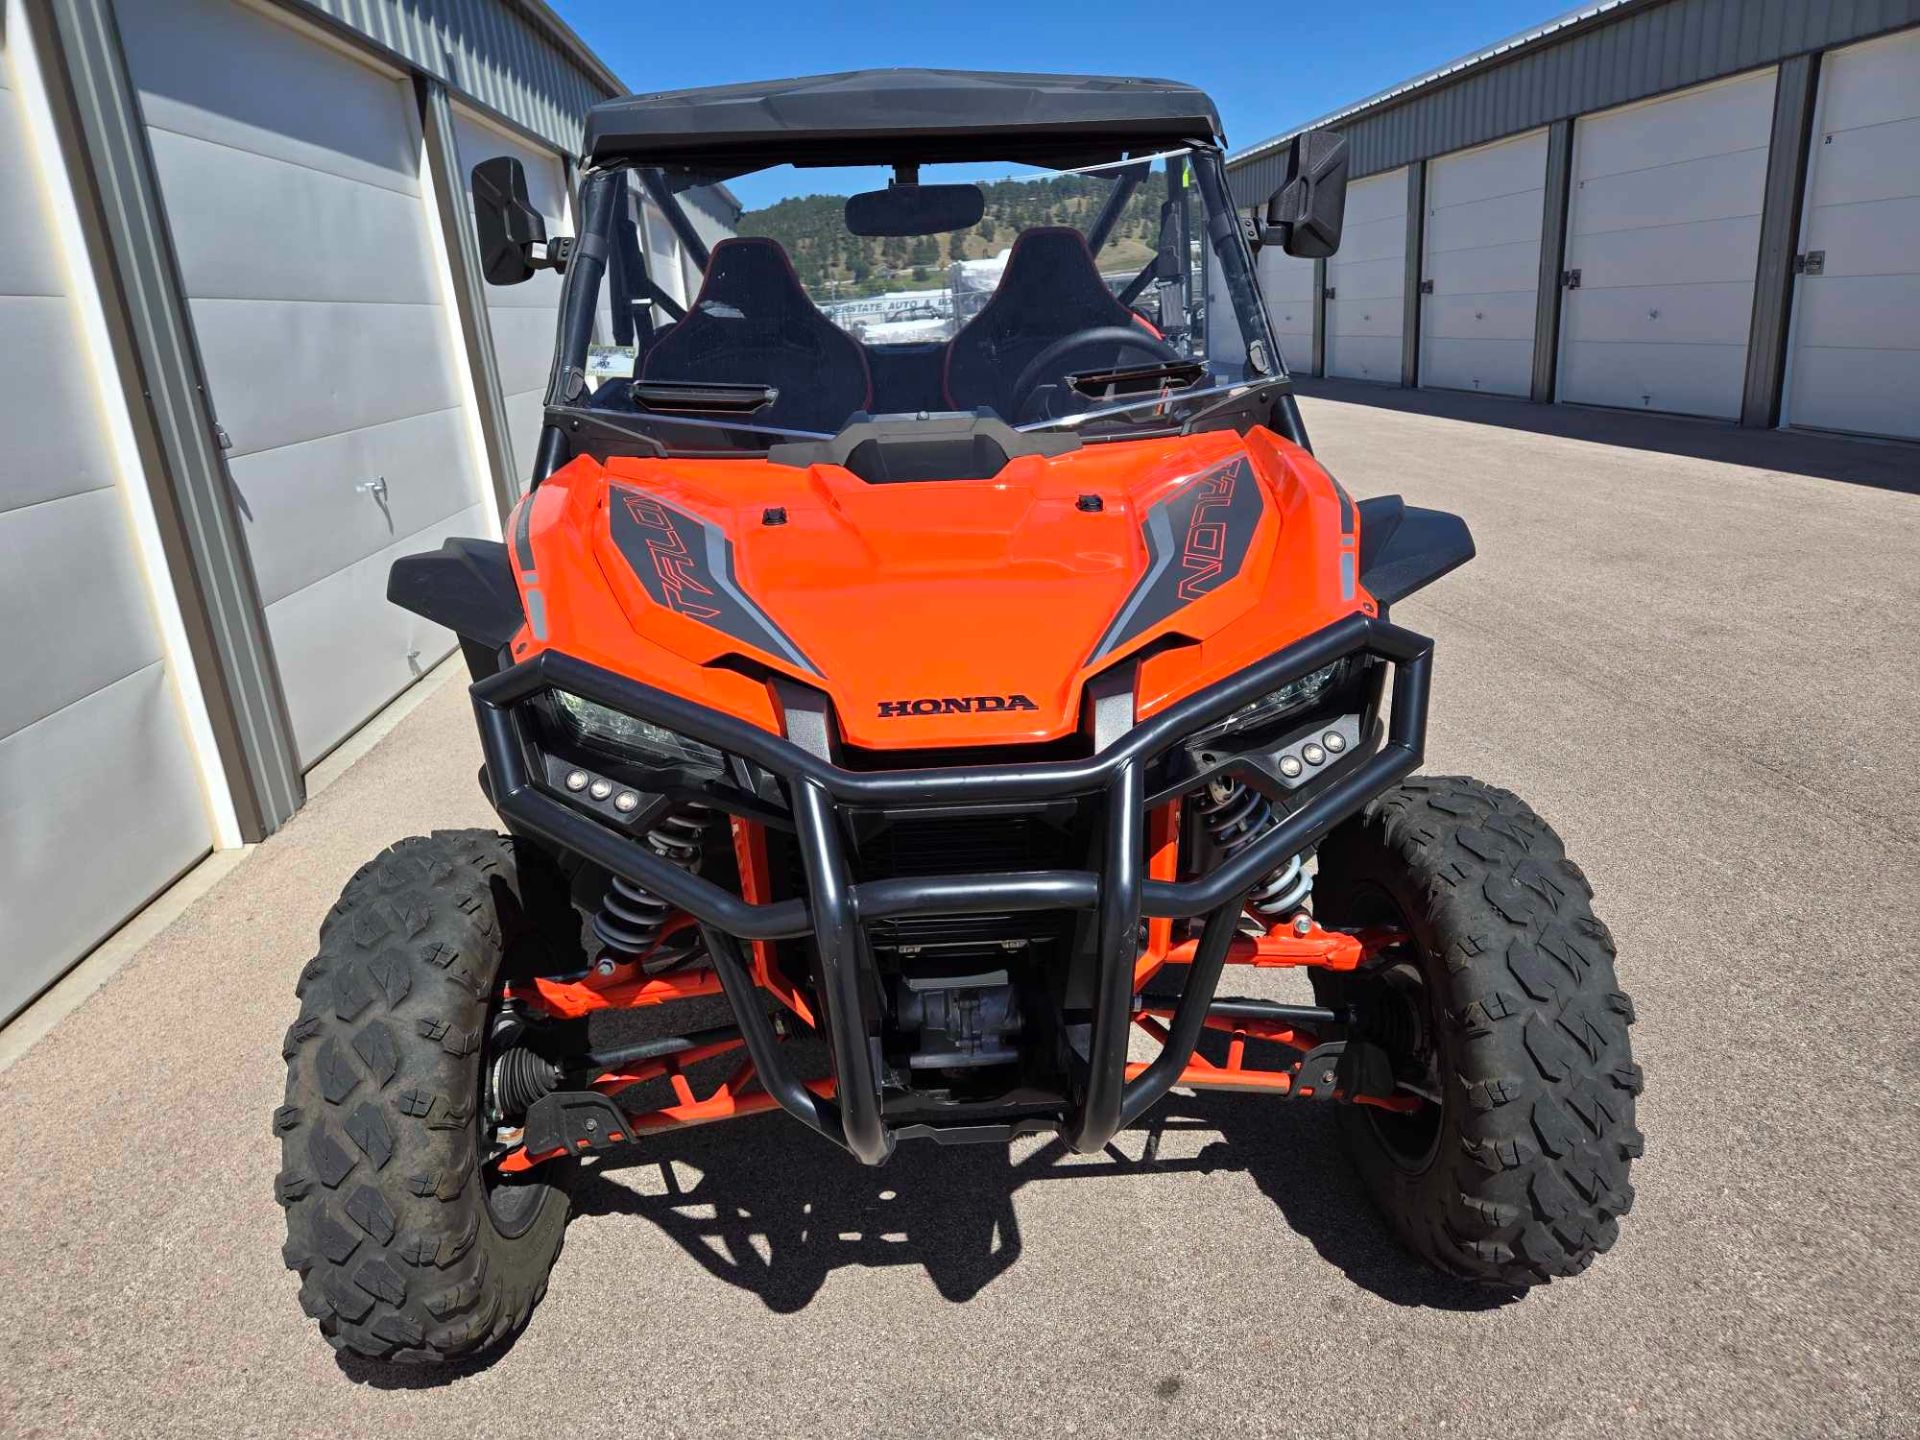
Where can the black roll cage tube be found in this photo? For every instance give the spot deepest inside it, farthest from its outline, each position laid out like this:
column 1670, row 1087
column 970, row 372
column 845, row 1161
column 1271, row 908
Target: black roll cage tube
column 836, row 910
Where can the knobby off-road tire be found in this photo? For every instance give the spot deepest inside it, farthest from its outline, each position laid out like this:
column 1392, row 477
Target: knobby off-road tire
column 1523, row 1174
column 404, row 1251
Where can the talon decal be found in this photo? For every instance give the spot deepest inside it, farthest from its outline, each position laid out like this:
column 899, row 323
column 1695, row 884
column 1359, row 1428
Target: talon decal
column 686, row 566
column 1196, row 542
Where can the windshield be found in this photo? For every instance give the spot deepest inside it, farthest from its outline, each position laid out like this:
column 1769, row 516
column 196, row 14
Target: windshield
column 1046, row 299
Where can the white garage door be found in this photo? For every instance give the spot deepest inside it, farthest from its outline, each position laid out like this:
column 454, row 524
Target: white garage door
column 1855, row 362
column 1482, row 266
column 1664, row 227
column 291, row 177
column 100, row 800
column 1225, row 345
column 1368, row 281
column 520, row 316
column 1287, row 284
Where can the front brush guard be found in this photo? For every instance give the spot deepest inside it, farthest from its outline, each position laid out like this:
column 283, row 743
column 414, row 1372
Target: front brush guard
column 836, row 911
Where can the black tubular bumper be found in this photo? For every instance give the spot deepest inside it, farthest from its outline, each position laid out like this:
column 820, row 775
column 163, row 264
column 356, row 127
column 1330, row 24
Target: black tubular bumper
column 835, row 910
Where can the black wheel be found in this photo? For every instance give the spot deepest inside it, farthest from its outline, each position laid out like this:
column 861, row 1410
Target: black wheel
column 1500, row 1008
column 408, row 1249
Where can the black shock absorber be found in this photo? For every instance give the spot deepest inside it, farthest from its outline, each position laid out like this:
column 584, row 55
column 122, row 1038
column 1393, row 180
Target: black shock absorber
column 1236, row 815
column 631, row 917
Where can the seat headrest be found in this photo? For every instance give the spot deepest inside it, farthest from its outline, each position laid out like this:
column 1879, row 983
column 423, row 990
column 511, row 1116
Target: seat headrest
column 753, row 269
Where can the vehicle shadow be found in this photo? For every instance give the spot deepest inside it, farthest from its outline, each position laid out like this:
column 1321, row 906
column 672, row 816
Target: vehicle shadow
column 1881, row 464
column 767, row 1206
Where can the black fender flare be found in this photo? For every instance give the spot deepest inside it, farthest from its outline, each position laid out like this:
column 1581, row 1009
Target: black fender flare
column 1404, row 548
column 465, row 585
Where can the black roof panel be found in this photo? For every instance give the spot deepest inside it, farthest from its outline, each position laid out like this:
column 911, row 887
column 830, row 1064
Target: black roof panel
column 884, row 115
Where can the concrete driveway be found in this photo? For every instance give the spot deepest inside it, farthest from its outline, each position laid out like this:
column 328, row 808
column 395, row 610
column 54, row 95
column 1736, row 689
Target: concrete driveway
column 1701, row 670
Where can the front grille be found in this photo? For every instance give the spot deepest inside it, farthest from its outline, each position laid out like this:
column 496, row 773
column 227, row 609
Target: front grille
column 962, row 843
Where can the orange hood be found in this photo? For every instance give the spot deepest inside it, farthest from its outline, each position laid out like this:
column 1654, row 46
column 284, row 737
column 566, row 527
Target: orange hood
column 937, row 613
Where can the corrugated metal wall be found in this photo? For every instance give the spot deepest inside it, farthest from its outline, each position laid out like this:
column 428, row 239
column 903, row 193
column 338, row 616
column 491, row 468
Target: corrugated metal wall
column 1623, row 57
column 486, row 49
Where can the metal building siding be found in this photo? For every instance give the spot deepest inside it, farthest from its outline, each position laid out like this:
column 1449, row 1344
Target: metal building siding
column 1629, row 55
column 484, row 49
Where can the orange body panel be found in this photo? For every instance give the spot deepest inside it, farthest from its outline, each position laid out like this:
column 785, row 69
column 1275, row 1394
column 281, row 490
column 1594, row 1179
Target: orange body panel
column 889, row 593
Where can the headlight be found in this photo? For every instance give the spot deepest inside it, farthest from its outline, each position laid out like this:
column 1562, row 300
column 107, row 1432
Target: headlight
column 638, row 739
column 1295, row 695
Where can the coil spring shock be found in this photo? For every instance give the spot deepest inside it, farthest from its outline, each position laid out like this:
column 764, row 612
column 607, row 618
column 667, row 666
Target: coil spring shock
column 631, row 917
column 1235, row 816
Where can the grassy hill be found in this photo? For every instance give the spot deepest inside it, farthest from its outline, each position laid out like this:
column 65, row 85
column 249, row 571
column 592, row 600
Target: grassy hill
column 812, row 229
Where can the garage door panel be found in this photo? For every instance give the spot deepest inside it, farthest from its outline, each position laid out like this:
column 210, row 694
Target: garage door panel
column 1870, row 392
column 1664, row 229
column 103, row 811
column 1492, row 366
column 1513, row 217
column 1350, row 319
column 1482, row 262
column 1489, row 269
column 1681, row 127
column 1669, row 314
column 321, row 368
column 25, row 269
column 1879, row 237
column 1369, row 279
column 1682, row 379
column 341, row 647
column 1702, row 253
column 1871, row 84
column 43, row 380
column 1378, row 197
column 1365, row 357
column 100, row 797
column 526, row 415
column 68, row 589
column 305, row 517
column 351, row 120
column 1878, row 164
column 1708, row 189
column 1864, row 312
column 316, row 284
column 524, row 342
column 1287, row 284
column 334, row 239
column 1507, row 316
column 1284, row 277
column 1854, row 357
column 1489, row 171
column 1375, row 241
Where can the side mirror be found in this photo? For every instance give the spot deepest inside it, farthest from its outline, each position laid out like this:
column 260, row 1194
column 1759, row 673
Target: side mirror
column 508, row 225
column 1304, row 215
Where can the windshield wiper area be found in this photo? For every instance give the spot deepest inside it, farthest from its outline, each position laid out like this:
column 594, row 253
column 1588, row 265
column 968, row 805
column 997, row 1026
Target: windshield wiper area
column 1115, row 384
column 694, row 397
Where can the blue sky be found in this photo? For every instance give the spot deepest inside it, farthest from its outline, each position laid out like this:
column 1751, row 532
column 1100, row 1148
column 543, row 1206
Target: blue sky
column 1268, row 67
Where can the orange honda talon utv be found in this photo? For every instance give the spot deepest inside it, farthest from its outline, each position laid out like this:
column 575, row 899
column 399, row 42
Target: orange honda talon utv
column 933, row 651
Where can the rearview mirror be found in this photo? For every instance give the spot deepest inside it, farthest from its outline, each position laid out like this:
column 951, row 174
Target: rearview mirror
column 508, row 225
column 1305, row 214
column 915, row 209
